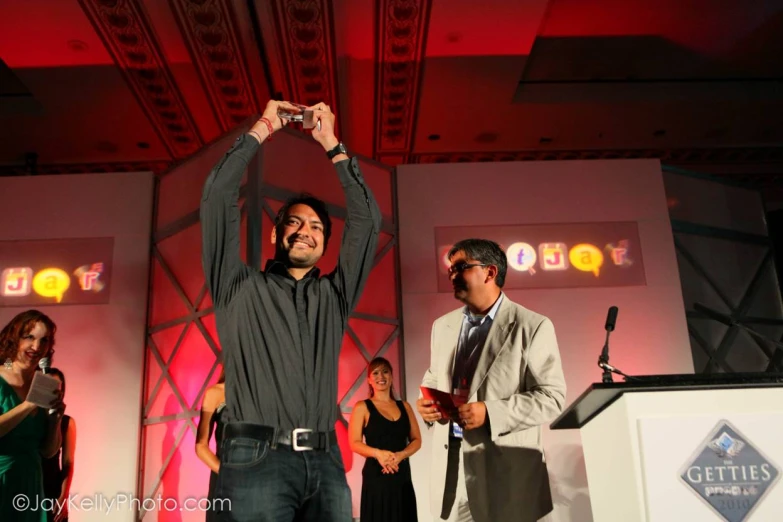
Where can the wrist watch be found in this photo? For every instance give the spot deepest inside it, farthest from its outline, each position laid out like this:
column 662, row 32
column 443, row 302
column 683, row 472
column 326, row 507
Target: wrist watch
column 338, row 149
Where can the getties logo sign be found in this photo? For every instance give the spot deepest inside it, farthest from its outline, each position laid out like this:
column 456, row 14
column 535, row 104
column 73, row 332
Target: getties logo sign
column 729, row 474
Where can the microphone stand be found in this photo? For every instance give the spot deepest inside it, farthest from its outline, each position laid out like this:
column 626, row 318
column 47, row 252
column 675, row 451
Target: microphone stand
column 606, row 376
column 603, row 361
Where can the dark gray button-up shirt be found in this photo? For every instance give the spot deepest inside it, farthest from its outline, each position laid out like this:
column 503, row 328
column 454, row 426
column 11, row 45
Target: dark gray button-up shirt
column 281, row 337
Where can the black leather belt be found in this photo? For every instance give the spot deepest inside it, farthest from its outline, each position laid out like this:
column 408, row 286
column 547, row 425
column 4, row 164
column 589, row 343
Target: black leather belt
column 299, row 439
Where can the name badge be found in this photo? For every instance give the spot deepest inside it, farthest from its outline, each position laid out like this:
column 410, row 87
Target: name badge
column 456, row 430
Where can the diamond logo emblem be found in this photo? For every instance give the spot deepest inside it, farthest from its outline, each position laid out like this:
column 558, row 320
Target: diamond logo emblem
column 729, row 474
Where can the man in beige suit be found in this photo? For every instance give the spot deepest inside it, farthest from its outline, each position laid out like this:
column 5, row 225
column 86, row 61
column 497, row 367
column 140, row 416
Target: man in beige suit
column 488, row 461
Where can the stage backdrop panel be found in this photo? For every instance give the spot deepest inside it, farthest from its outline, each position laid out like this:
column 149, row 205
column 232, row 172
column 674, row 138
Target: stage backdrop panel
column 651, row 335
column 100, row 347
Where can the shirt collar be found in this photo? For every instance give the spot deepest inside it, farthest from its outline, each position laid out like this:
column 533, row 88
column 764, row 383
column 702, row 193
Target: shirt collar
column 491, row 314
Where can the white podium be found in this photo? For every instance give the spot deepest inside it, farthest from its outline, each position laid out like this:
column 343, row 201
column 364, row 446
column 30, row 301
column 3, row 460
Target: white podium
column 682, row 447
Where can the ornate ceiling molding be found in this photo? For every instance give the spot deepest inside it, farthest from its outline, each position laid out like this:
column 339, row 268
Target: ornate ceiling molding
column 401, row 29
column 86, row 168
column 748, row 156
column 209, row 29
column 126, row 32
column 306, row 33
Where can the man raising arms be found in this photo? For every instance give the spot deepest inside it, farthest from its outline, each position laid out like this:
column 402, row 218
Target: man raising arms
column 280, row 330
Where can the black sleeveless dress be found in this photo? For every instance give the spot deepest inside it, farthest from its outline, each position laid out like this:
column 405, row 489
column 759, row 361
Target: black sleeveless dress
column 52, row 470
column 387, row 498
column 217, row 421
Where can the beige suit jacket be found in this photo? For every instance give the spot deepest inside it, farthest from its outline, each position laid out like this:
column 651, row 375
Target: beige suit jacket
column 520, row 379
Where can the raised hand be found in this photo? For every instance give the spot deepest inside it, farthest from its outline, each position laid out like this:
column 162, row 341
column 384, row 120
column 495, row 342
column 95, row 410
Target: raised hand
column 270, row 113
column 325, row 134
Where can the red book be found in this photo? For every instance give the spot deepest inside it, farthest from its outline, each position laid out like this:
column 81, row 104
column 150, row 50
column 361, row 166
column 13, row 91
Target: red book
column 446, row 402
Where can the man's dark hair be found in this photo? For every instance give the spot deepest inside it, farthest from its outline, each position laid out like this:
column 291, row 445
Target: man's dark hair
column 318, row 206
column 484, row 251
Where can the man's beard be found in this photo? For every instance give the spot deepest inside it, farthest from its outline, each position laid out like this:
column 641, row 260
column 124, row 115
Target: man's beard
column 300, row 261
column 294, row 258
column 460, row 291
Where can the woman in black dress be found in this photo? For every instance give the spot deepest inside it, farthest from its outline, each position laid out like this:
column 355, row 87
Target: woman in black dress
column 391, row 435
column 58, row 469
column 210, row 422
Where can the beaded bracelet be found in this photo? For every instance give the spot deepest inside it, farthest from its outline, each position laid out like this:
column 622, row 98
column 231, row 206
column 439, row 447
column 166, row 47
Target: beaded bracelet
column 269, row 127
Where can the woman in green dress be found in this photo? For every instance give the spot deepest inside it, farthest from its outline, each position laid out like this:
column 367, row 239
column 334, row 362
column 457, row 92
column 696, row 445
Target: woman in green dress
column 27, row 432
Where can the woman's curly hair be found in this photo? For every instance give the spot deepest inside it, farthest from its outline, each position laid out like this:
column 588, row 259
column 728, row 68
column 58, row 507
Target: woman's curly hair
column 20, row 326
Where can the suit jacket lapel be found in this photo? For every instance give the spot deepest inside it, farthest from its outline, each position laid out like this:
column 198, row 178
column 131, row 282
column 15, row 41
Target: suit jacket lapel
column 502, row 326
column 448, row 349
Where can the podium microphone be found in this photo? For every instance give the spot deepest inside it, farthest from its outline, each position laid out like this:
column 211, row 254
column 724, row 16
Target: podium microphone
column 603, row 360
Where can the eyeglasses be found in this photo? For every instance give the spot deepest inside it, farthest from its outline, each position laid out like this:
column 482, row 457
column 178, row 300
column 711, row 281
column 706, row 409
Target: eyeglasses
column 462, row 266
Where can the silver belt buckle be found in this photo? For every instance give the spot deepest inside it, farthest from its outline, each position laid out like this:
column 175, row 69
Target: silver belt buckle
column 295, row 439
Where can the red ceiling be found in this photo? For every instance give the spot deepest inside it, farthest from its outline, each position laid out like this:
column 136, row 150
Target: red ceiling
column 139, row 84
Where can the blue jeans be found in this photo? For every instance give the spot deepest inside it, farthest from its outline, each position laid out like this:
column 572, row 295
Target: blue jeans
column 261, row 484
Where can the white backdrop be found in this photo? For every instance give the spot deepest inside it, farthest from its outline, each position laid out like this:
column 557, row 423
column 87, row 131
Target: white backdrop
column 651, row 335
column 100, row 348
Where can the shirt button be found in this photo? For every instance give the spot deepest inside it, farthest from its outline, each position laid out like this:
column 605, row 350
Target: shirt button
column 445, row 446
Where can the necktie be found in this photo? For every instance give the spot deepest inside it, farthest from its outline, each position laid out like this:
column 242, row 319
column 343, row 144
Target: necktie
column 467, row 351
